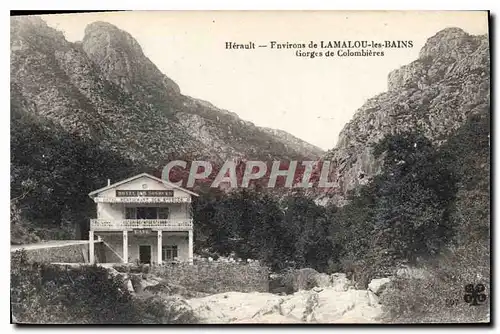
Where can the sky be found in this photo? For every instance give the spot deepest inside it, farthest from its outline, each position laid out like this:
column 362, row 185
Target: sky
column 311, row 98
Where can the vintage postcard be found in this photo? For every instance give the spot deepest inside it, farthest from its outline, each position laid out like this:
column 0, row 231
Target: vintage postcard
column 225, row 167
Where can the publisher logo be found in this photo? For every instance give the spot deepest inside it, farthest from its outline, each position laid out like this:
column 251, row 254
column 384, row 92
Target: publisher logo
column 474, row 294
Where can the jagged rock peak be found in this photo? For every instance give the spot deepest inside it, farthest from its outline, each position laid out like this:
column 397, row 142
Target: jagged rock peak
column 26, row 31
column 27, row 20
column 443, row 54
column 450, row 42
column 122, row 60
column 100, row 31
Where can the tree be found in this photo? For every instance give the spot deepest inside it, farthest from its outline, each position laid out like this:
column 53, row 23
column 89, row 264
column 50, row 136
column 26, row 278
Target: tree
column 412, row 215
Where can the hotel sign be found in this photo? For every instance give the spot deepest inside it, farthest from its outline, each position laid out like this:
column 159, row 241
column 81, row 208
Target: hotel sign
column 144, row 193
column 142, row 199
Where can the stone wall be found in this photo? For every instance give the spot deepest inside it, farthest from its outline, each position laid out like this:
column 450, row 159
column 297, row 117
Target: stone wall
column 216, row 277
column 73, row 253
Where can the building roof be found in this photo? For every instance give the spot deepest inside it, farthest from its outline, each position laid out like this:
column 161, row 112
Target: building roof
column 114, row 185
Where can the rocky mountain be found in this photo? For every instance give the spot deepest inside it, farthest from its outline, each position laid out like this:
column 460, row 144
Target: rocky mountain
column 96, row 109
column 287, row 139
column 435, row 95
column 104, row 88
column 99, row 109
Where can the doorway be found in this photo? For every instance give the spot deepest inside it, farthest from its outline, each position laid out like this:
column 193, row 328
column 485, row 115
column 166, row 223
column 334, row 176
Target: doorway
column 145, row 254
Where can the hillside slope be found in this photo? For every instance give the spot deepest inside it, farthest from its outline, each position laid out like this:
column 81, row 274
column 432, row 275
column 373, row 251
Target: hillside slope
column 106, row 89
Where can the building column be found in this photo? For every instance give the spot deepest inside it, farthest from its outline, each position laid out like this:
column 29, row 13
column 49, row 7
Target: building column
column 160, row 243
column 91, row 247
column 190, row 246
column 125, row 246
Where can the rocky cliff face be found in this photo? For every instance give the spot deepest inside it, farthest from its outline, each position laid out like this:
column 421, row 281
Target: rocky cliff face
column 434, row 95
column 105, row 89
column 122, row 62
column 287, row 139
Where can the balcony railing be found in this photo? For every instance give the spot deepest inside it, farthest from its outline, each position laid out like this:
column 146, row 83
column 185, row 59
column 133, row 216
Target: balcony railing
column 126, row 224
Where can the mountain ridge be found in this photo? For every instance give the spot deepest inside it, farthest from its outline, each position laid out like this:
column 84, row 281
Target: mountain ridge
column 105, row 84
column 435, row 94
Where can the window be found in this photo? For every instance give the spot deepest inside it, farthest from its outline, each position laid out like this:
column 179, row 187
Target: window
column 169, row 253
column 130, row 213
column 147, row 213
column 163, row 213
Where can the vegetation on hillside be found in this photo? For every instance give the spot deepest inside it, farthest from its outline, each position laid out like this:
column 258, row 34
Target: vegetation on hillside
column 43, row 293
column 439, row 297
column 52, row 173
column 429, row 209
column 406, row 213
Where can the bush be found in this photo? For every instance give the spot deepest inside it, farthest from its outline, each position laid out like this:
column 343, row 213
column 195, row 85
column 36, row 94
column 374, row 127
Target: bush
column 45, row 293
column 215, row 277
column 49, row 294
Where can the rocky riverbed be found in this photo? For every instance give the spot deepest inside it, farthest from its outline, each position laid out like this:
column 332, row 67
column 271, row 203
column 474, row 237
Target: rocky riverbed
column 333, row 299
column 319, row 305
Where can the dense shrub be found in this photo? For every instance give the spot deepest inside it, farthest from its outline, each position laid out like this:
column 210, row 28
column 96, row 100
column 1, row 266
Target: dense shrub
column 44, row 293
column 281, row 232
column 49, row 294
column 215, row 277
column 438, row 296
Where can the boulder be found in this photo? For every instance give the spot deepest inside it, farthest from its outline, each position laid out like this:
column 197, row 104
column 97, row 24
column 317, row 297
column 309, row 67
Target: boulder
column 322, row 280
column 166, row 310
column 121, row 268
column 136, row 281
column 232, row 306
column 281, row 283
column 130, row 287
column 167, row 289
column 372, row 299
column 377, row 285
column 352, row 306
column 296, row 305
column 112, row 272
column 178, row 310
column 149, row 281
column 325, row 306
column 340, row 282
column 304, row 279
